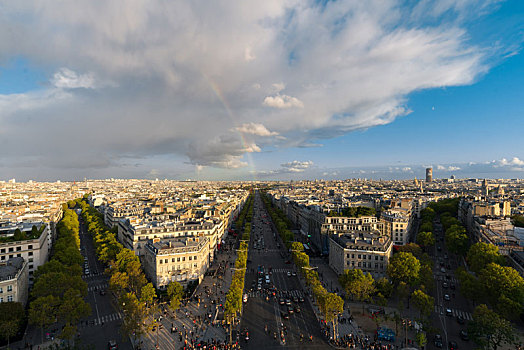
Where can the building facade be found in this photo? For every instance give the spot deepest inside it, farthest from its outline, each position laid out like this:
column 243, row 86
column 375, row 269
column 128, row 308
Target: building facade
column 176, row 259
column 14, row 280
column 368, row 251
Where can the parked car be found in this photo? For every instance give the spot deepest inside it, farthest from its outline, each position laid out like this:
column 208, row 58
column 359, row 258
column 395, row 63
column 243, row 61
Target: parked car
column 111, row 345
column 464, row 335
column 453, row 345
column 449, row 312
column 446, row 297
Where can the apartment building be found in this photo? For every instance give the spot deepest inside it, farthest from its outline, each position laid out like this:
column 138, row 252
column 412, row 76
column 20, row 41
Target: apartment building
column 14, row 280
column 114, row 212
column 34, row 251
column 176, row 259
column 135, row 234
column 397, row 223
column 369, row 251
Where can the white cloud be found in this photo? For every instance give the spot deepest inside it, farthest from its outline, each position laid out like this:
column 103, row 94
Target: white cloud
column 513, row 162
column 248, row 55
column 406, row 169
column 453, row 168
column 68, row 79
column 181, row 85
column 256, row 129
column 283, row 101
column 297, row 166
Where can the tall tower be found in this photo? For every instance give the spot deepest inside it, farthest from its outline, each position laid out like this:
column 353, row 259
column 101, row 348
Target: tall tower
column 429, row 174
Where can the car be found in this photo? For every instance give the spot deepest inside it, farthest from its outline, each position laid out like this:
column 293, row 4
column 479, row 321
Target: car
column 285, row 316
column 464, row 335
column 449, row 312
column 301, row 299
column 102, row 292
column 111, row 345
column 288, row 274
column 295, row 299
column 86, row 271
column 443, row 270
column 438, row 341
column 288, row 302
column 259, row 287
column 297, row 309
column 452, row 286
column 245, row 298
column 293, row 273
column 446, row 297
column 282, row 301
column 444, row 285
column 460, row 320
column 453, row 345
column 290, row 310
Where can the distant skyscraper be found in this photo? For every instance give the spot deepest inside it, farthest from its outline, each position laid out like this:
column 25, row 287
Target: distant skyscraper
column 429, row 174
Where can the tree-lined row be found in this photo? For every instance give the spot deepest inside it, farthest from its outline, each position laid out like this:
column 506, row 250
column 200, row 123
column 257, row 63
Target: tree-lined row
column 280, row 221
column 127, row 281
column 233, row 304
column 330, row 304
column 59, row 291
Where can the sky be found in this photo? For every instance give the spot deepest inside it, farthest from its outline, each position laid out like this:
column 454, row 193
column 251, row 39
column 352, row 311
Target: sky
column 261, row 90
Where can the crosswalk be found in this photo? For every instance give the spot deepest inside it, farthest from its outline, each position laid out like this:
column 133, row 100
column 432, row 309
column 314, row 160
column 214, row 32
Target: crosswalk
column 282, row 270
column 108, row 318
column 84, row 277
column 444, row 279
column 279, row 293
column 455, row 313
column 97, row 287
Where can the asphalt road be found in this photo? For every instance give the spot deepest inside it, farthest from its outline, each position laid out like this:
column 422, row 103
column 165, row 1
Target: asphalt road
column 267, row 250
column 105, row 320
column 445, row 281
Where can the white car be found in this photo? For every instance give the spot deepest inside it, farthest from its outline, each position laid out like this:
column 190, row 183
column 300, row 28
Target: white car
column 245, row 298
column 288, row 274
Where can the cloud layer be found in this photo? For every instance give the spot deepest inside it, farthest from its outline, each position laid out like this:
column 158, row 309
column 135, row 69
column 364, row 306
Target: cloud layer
column 205, row 83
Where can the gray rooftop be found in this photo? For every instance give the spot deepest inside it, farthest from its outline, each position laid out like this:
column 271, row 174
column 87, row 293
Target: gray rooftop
column 9, row 269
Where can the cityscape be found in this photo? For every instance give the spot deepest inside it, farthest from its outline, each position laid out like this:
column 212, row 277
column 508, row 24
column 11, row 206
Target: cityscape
column 262, row 175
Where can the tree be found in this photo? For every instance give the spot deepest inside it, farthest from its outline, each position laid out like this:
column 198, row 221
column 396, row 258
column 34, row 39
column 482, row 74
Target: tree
column 11, row 318
column 148, row 295
column 71, row 310
column 403, row 267
column 384, row 287
column 423, row 302
column 489, row 330
column 456, row 239
column 421, row 339
column 469, row 285
column 359, row 284
column 425, row 239
column 481, row 254
column 134, row 316
column 412, row 248
column 42, row 312
column 496, row 281
column 175, row 292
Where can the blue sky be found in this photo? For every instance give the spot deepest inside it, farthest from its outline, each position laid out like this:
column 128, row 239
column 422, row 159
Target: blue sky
column 376, row 89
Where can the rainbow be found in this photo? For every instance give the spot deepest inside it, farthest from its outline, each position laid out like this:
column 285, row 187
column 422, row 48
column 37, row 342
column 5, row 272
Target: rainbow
column 218, row 93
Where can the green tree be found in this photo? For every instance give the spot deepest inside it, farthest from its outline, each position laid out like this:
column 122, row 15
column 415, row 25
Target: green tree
column 175, row 292
column 358, row 284
column 384, row 287
column 496, row 280
column 42, row 312
column 425, row 239
column 481, row 254
column 11, row 318
column 489, row 330
column 403, row 267
column 421, row 339
column 423, row 302
column 148, row 295
column 134, row 316
column 72, row 308
column 469, row 285
column 456, row 239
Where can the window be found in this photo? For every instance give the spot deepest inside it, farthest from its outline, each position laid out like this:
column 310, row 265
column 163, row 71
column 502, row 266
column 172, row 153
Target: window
column 30, row 246
column 2, row 250
column 161, row 261
column 183, row 258
column 359, row 258
column 3, row 257
column 1, row 290
column 19, row 255
column 1, row 300
column 30, row 254
column 18, row 248
column 10, row 249
column 190, row 258
column 173, row 260
column 9, row 288
column 30, row 267
column 30, row 259
column 166, row 261
column 195, row 257
column 353, row 256
column 9, row 298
